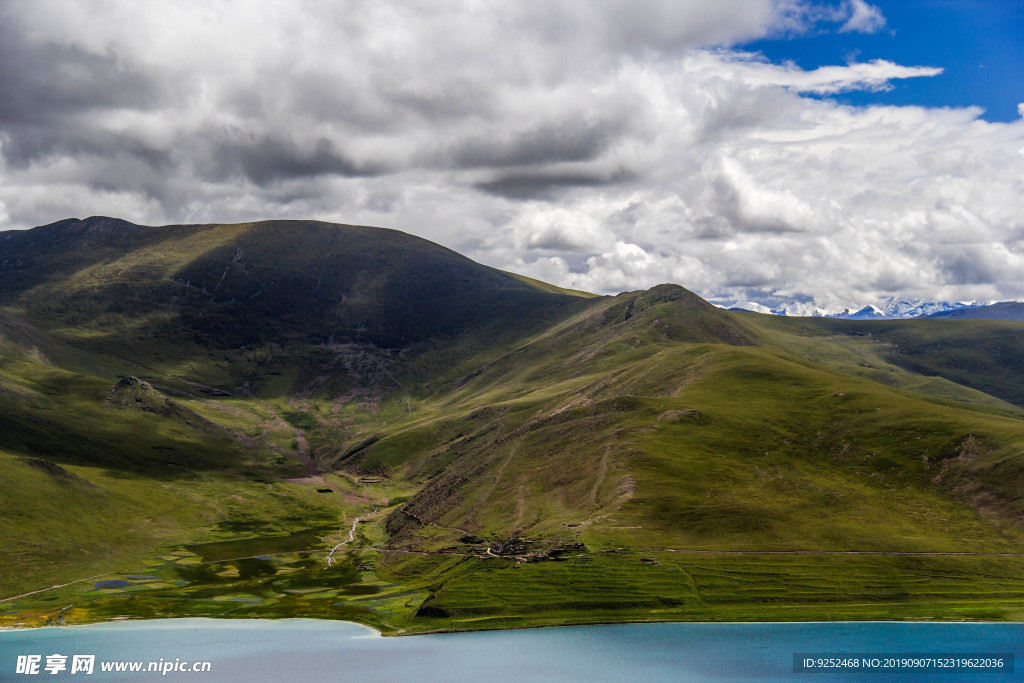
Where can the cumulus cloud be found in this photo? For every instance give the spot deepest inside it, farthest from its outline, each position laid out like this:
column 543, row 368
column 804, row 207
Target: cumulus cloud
column 864, row 18
column 603, row 145
column 553, row 229
column 854, row 16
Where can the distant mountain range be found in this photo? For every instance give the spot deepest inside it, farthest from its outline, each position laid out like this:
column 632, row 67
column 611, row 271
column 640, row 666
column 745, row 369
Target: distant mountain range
column 901, row 309
column 895, row 308
column 1004, row 310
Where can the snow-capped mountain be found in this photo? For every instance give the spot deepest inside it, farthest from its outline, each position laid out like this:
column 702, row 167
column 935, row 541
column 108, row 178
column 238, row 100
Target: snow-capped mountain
column 893, row 308
column 866, row 313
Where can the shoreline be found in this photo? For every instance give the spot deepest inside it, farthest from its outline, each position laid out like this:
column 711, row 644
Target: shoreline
column 217, row 622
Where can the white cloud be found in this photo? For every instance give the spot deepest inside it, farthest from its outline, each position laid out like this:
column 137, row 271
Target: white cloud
column 747, row 306
column 864, row 18
column 597, row 145
column 554, row 229
column 826, row 80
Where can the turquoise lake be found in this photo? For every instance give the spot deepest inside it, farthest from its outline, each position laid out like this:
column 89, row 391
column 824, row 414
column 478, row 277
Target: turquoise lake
column 312, row 650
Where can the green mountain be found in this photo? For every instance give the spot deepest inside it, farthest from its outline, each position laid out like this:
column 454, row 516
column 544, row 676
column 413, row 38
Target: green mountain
column 292, row 418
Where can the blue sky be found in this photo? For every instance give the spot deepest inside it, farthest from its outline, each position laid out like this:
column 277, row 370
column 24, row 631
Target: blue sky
column 978, row 43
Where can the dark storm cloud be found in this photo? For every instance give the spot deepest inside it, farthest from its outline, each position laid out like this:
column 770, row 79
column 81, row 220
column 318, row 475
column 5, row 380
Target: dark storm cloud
column 455, row 101
column 270, row 160
column 51, row 93
column 971, row 265
column 547, row 185
column 25, row 143
column 747, row 280
column 573, row 140
column 44, row 83
column 408, row 73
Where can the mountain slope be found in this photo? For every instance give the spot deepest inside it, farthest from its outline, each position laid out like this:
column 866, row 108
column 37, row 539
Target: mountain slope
column 303, row 419
column 650, row 446
column 228, row 286
column 984, row 355
column 568, row 410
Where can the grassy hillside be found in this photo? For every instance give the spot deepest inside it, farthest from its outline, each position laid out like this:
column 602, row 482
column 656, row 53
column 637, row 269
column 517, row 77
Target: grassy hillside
column 303, row 419
column 651, row 450
column 980, row 354
column 173, row 292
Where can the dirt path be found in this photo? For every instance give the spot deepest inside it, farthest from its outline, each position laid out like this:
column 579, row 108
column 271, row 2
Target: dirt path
column 601, row 473
column 520, row 506
column 497, row 476
column 55, row 586
column 473, row 515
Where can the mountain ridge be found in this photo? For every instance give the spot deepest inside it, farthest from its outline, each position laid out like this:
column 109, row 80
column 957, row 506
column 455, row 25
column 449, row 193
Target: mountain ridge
column 225, row 274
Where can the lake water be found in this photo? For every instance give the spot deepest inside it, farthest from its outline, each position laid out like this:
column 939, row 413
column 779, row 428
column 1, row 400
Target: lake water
column 312, row 650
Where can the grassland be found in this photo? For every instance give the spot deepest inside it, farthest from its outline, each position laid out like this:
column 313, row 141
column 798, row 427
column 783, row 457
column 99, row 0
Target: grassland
column 515, row 454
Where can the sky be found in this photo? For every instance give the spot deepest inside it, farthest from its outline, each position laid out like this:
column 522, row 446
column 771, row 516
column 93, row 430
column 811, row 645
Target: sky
column 802, row 154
